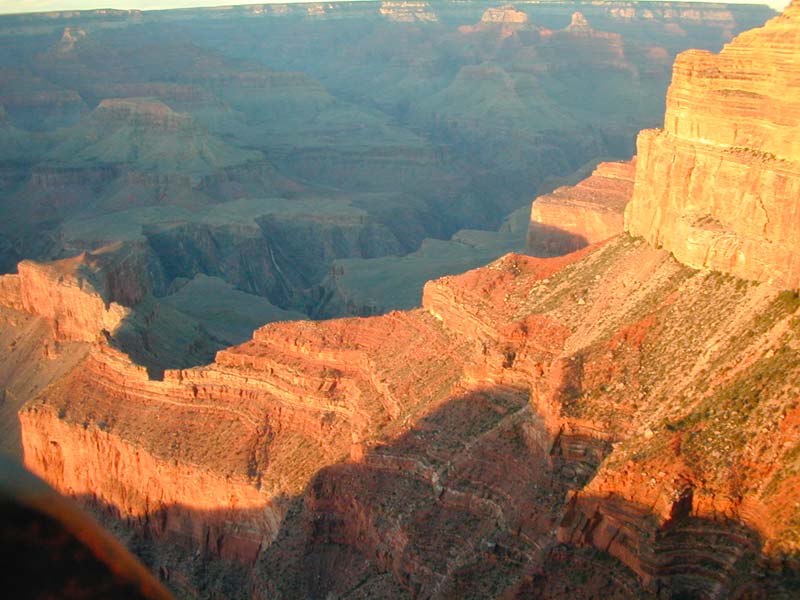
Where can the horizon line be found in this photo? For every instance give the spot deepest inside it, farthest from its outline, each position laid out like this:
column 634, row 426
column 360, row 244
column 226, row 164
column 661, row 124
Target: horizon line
column 134, row 6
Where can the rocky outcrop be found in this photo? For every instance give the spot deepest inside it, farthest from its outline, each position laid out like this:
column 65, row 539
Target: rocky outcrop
column 588, row 45
column 408, row 12
column 10, row 292
column 32, row 359
column 578, row 23
column 103, row 297
column 69, row 38
column 667, row 11
column 502, row 21
column 295, row 398
column 167, row 503
column 612, row 412
column 139, row 112
column 592, row 374
column 505, row 15
column 572, row 217
column 61, row 293
column 85, row 297
column 630, row 401
column 718, row 185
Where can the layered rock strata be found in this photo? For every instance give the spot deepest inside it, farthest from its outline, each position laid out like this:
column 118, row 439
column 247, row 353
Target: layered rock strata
column 579, row 374
column 505, row 14
column 612, row 416
column 631, row 401
column 408, row 12
column 294, row 399
column 104, row 297
column 718, row 184
column 57, row 292
column 85, row 297
column 572, row 217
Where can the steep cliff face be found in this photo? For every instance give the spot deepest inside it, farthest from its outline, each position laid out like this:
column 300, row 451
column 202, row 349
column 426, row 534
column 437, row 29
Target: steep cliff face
column 105, row 297
column 32, row 359
column 572, row 217
column 296, row 398
column 580, row 375
column 691, row 464
column 718, row 185
column 85, row 297
column 505, row 14
column 59, row 292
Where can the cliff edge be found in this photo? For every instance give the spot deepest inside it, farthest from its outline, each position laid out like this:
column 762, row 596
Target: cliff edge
column 718, row 186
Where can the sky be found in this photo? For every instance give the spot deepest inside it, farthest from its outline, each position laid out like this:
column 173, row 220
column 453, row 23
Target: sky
column 18, row 6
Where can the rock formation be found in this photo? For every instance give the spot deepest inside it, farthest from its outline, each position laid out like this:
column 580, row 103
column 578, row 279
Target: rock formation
column 84, row 297
column 408, row 12
column 667, row 11
column 586, row 365
column 607, row 423
column 135, row 112
column 294, row 399
column 572, row 217
column 717, row 186
column 69, row 38
column 505, row 15
column 142, row 134
column 601, row 48
column 59, row 292
column 579, row 23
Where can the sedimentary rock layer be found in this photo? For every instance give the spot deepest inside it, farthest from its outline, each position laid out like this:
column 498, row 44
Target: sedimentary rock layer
column 505, row 14
column 85, row 297
column 718, row 186
column 612, row 416
column 60, row 293
column 408, row 12
column 572, row 217
column 344, row 442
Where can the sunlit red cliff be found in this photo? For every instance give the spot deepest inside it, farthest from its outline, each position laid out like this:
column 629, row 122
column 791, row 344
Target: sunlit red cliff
column 718, row 184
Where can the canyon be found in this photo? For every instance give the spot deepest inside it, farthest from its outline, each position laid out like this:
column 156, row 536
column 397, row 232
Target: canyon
column 613, row 414
column 223, row 144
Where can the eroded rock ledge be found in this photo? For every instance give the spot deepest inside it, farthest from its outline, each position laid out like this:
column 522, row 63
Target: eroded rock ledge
column 532, row 408
column 572, row 217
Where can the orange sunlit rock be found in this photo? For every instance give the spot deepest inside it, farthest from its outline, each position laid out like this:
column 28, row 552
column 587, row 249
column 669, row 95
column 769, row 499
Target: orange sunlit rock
column 718, row 185
column 572, row 217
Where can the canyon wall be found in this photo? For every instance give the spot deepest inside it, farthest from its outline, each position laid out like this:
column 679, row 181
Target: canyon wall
column 226, row 447
column 85, row 297
column 717, row 186
column 59, row 293
column 408, row 12
column 591, row 211
column 606, row 423
column 590, row 378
